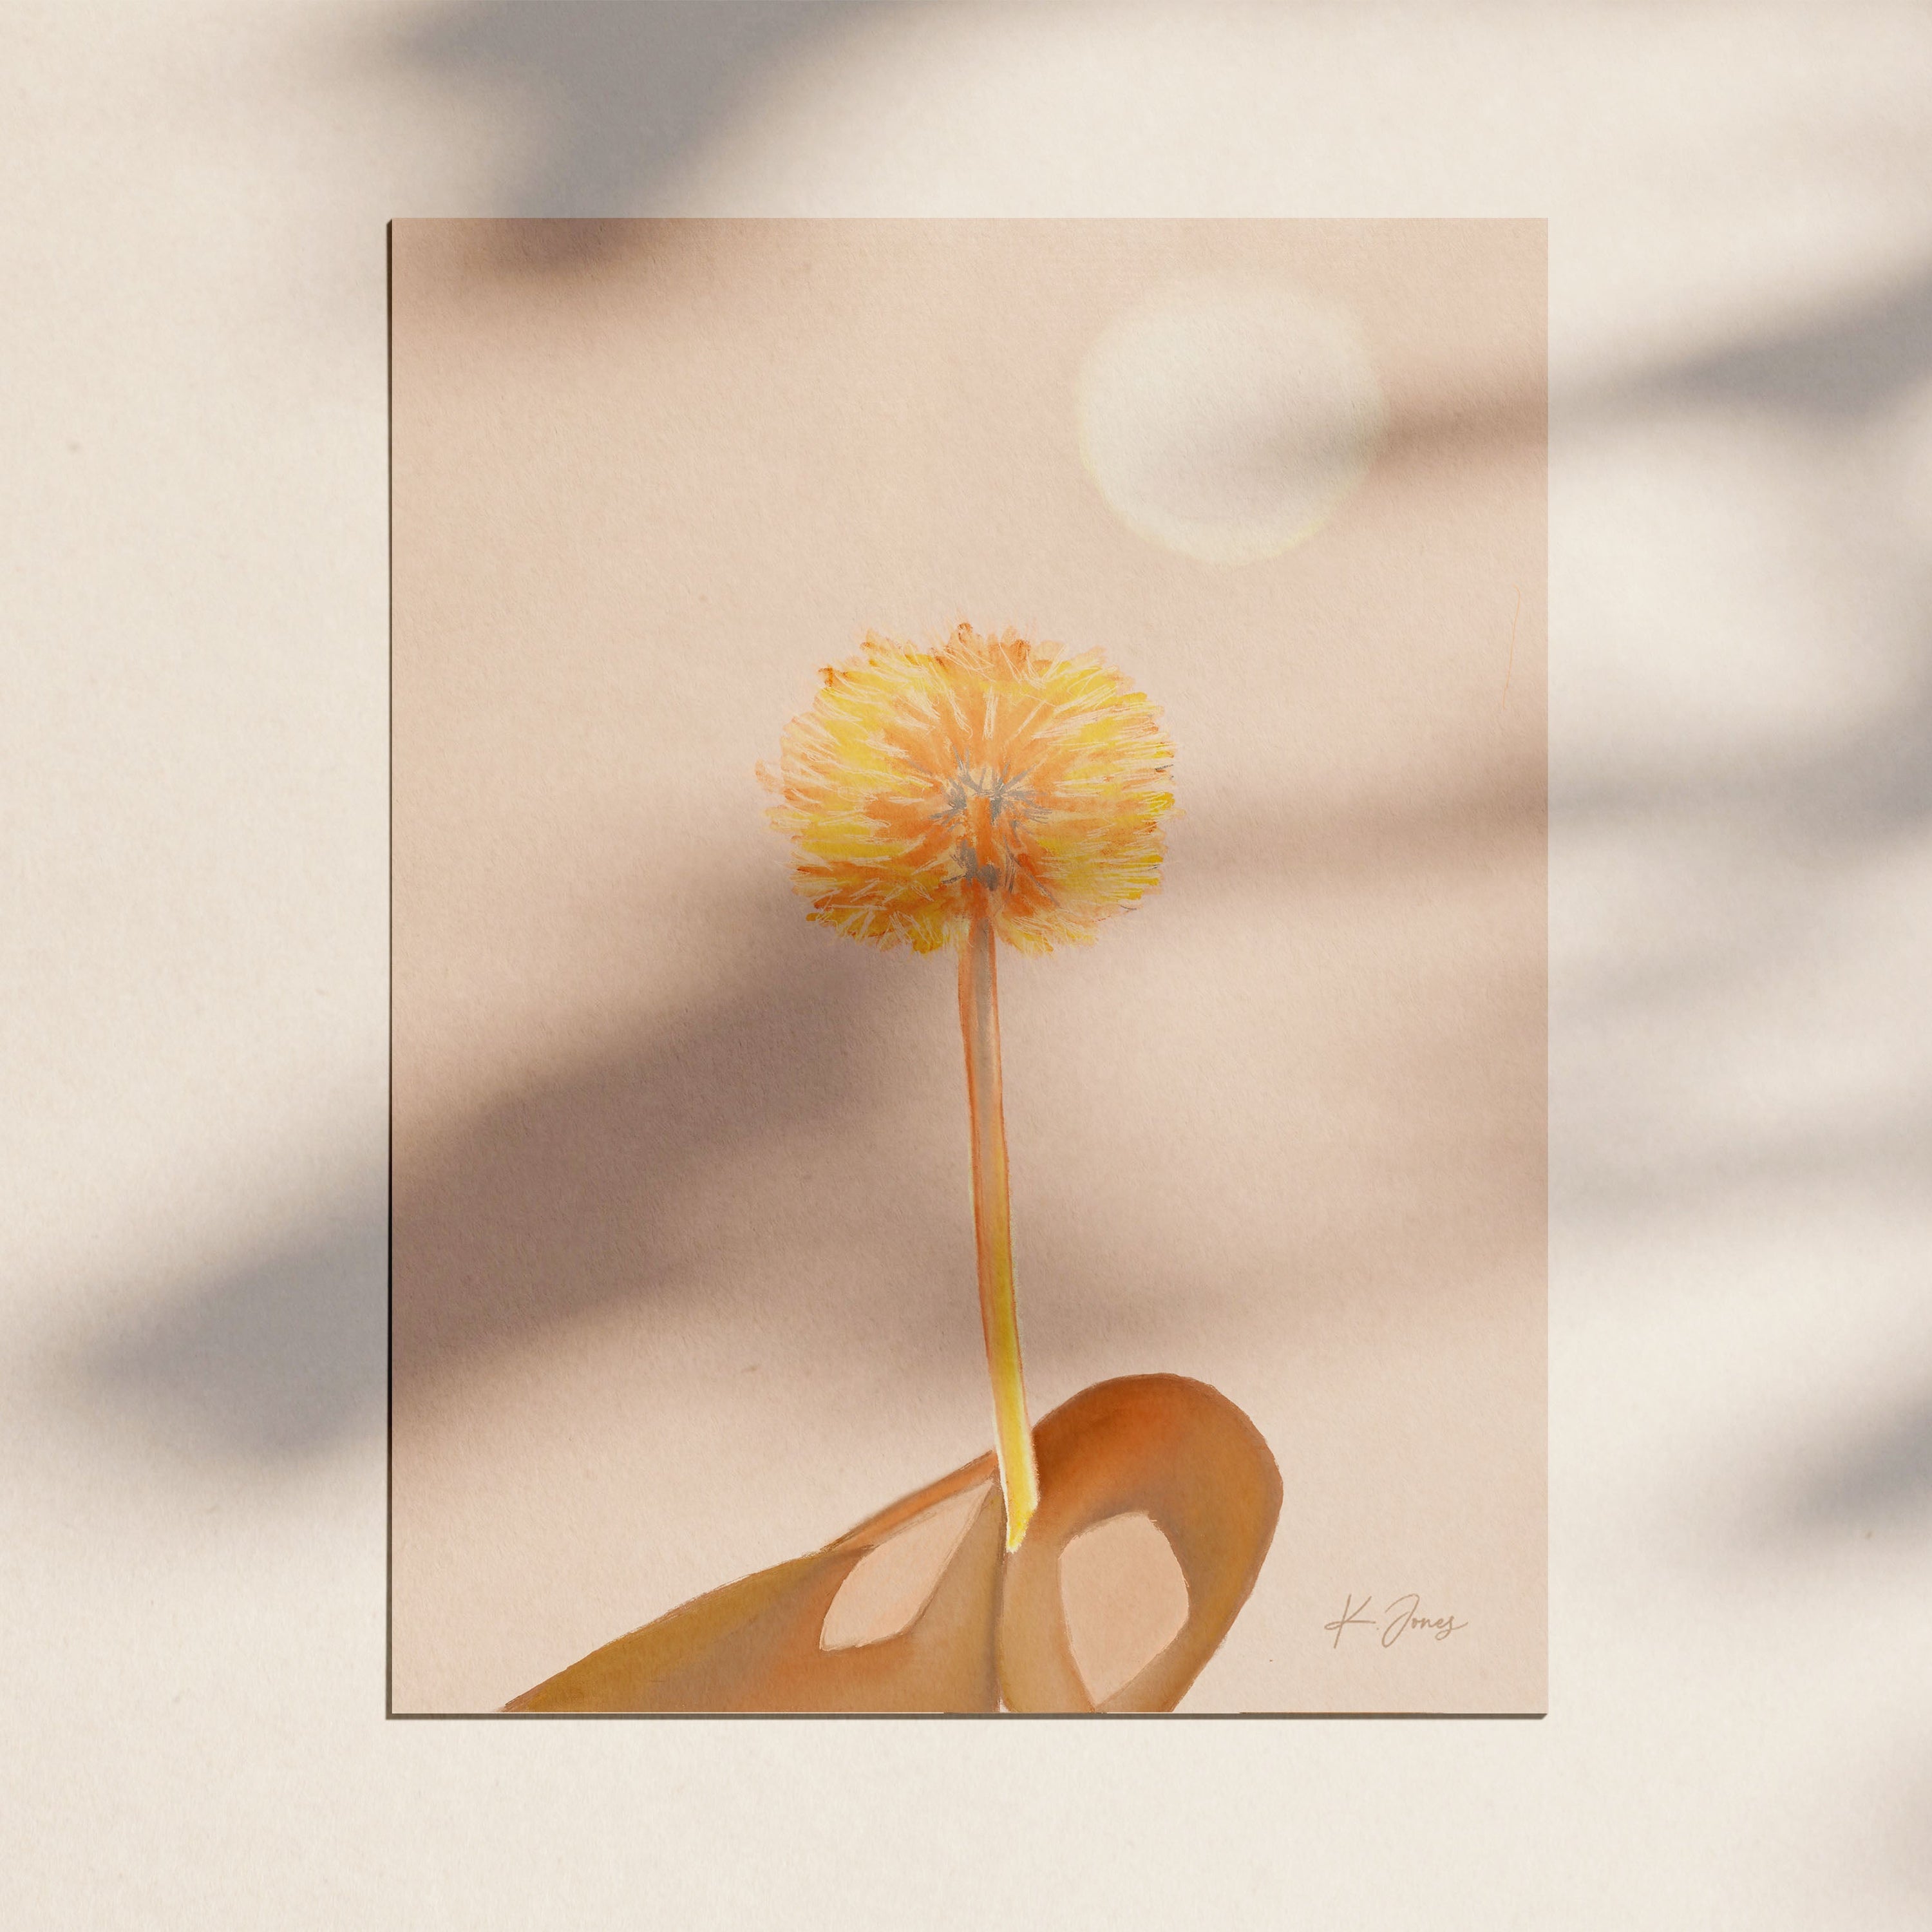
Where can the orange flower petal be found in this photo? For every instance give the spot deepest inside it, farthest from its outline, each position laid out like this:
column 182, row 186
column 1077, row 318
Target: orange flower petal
column 990, row 776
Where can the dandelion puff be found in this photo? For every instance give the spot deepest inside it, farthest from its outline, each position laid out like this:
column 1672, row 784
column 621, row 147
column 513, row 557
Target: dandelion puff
column 988, row 778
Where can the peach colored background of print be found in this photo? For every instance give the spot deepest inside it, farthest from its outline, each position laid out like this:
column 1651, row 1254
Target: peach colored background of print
column 683, row 1274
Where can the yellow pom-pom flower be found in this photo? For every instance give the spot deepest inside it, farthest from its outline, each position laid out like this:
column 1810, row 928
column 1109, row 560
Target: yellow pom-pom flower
column 988, row 789
column 987, row 779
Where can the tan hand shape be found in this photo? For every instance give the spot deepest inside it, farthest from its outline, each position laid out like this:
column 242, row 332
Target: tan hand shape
column 1159, row 1500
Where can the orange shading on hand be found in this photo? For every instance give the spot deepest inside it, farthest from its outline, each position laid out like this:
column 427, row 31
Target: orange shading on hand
column 1159, row 1500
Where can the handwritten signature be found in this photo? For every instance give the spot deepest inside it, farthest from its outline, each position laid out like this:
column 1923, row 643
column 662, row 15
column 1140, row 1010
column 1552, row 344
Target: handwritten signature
column 1397, row 1620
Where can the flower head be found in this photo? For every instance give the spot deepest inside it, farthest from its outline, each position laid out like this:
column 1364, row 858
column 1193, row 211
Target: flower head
column 986, row 778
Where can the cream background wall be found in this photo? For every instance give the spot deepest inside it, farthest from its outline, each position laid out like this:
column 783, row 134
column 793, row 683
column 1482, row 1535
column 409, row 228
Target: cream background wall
column 195, row 761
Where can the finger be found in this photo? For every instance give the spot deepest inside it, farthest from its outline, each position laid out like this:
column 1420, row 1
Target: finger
column 1125, row 1468
column 907, row 1601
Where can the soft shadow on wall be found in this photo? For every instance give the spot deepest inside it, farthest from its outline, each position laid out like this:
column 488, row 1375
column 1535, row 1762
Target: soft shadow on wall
column 616, row 95
column 595, row 1183
column 284, row 1353
column 668, row 1161
column 1826, row 804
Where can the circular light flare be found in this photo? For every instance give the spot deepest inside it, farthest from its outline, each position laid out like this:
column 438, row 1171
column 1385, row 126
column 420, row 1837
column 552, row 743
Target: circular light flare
column 1227, row 422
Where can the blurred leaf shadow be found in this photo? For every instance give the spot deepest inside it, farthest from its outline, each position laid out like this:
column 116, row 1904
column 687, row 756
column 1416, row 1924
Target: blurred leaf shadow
column 274, row 1359
column 618, row 92
column 510, row 1217
column 671, row 1151
column 1834, row 370
column 601, row 1179
column 1881, row 1478
column 745, row 1131
column 1841, row 367
column 1825, row 802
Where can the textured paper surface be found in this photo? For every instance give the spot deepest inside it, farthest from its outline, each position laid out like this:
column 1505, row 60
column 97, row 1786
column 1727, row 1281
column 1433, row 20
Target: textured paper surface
column 1741, row 892
column 682, row 1259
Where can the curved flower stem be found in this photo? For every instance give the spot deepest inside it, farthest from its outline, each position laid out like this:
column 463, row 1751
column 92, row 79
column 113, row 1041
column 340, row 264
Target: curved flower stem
column 992, row 1228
